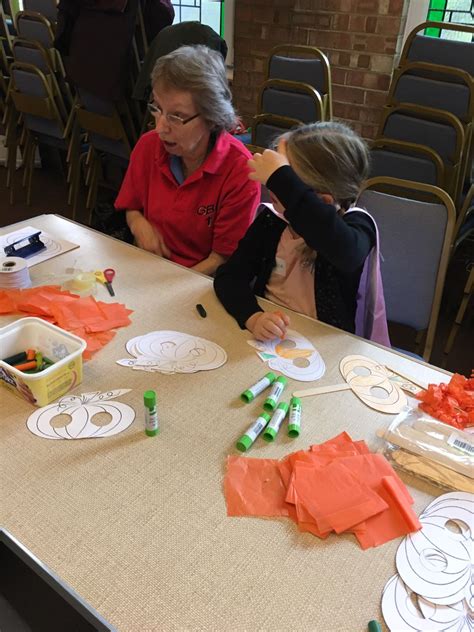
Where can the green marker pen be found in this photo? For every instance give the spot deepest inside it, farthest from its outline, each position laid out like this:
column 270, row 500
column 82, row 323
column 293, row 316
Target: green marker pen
column 247, row 439
column 151, row 414
column 273, row 427
column 294, row 423
column 251, row 393
column 275, row 393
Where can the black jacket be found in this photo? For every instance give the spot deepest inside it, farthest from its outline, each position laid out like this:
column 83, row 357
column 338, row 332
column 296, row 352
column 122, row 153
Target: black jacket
column 342, row 243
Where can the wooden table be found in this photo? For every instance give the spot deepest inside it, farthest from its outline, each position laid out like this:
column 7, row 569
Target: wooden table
column 137, row 525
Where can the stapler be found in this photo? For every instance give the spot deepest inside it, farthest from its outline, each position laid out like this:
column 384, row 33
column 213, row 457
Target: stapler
column 25, row 247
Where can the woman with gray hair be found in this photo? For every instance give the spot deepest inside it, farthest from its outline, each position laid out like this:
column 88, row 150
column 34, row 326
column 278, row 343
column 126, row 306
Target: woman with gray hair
column 186, row 191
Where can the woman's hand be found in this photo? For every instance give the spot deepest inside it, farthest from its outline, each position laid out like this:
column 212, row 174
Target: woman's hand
column 262, row 166
column 146, row 235
column 268, row 325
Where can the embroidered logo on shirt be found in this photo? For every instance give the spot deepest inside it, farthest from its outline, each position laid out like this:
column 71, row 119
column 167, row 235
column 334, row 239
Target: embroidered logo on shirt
column 208, row 211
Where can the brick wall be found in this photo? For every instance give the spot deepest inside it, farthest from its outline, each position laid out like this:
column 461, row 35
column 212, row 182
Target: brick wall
column 360, row 37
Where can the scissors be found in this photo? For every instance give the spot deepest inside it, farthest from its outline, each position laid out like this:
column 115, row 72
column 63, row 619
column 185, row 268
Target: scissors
column 106, row 277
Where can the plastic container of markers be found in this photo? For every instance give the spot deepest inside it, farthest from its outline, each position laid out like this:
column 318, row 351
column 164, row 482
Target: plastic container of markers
column 62, row 347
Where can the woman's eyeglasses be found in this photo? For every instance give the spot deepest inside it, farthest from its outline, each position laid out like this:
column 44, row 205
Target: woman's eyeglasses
column 171, row 119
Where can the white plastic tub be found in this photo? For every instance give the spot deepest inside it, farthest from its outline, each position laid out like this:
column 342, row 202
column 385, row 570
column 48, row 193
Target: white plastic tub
column 63, row 348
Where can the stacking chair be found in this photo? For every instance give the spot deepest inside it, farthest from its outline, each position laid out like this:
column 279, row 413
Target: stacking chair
column 48, row 8
column 409, row 161
column 107, row 135
column 306, row 65
column 441, row 131
column 440, row 51
column 291, row 99
column 31, row 25
column 5, row 32
column 33, row 97
column 415, row 238
column 266, row 128
column 32, row 52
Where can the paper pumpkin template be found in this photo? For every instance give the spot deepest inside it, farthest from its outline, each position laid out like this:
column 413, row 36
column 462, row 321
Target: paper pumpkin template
column 173, row 352
column 404, row 610
column 369, row 381
column 294, row 356
column 434, row 590
column 81, row 411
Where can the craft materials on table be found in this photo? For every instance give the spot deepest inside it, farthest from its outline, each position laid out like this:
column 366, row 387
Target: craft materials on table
column 171, row 352
column 29, row 361
column 14, row 273
column 452, row 403
column 91, row 320
column 370, row 382
column 337, row 486
column 152, row 427
column 106, row 277
column 52, row 245
column 430, row 449
column 78, row 416
column 434, row 587
column 42, row 339
column 201, row 311
column 294, row 356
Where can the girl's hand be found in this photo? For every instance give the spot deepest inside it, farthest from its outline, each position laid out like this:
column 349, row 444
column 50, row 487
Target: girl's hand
column 262, row 166
column 268, row 325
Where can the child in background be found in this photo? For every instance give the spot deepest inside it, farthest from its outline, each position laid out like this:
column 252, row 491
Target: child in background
column 308, row 252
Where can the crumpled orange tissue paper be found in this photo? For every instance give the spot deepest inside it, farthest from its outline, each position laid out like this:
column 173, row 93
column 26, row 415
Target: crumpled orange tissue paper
column 337, row 486
column 89, row 319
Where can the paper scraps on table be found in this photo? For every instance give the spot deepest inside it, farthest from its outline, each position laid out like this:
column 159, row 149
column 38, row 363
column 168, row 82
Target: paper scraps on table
column 173, row 352
column 337, row 486
column 54, row 246
column 294, row 356
column 78, row 416
column 452, row 403
column 91, row 320
column 434, row 588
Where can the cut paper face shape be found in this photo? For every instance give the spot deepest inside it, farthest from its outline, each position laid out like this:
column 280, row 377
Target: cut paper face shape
column 294, row 356
column 437, row 562
column 404, row 610
column 370, row 382
column 173, row 352
column 86, row 416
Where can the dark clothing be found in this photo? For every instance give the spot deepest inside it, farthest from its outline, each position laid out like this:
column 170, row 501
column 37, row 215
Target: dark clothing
column 95, row 39
column 168, row 40
column 342, row 244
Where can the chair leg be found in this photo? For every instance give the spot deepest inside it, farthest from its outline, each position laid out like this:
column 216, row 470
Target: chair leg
column 31, row 167
column 468, row 292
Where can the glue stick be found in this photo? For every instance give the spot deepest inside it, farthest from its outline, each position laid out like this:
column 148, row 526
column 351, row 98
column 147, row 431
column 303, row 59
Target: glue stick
column 273, row 427
column 251, row 393
column 151, row 414
column 247, row 439
column 275, row 393
column 294, row 423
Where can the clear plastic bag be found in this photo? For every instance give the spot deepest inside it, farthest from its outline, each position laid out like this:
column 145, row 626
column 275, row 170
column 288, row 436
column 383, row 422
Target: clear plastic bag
column 430, row 449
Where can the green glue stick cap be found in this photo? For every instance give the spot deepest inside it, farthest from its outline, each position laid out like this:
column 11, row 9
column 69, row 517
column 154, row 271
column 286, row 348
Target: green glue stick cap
column 149, row 399
column 250, row 394
column 244, row 443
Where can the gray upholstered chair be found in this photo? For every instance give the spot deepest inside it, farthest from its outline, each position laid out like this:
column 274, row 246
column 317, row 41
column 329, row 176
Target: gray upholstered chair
column 415, row 238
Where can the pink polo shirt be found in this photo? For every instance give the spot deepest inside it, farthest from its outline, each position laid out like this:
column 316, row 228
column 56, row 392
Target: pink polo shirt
column 210, row 211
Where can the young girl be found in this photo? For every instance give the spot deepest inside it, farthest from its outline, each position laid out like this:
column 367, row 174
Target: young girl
column 308, row 252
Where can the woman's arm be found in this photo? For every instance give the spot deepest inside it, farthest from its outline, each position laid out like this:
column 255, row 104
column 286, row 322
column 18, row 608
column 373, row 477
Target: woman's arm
column 146, row 235
column 210, row 264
